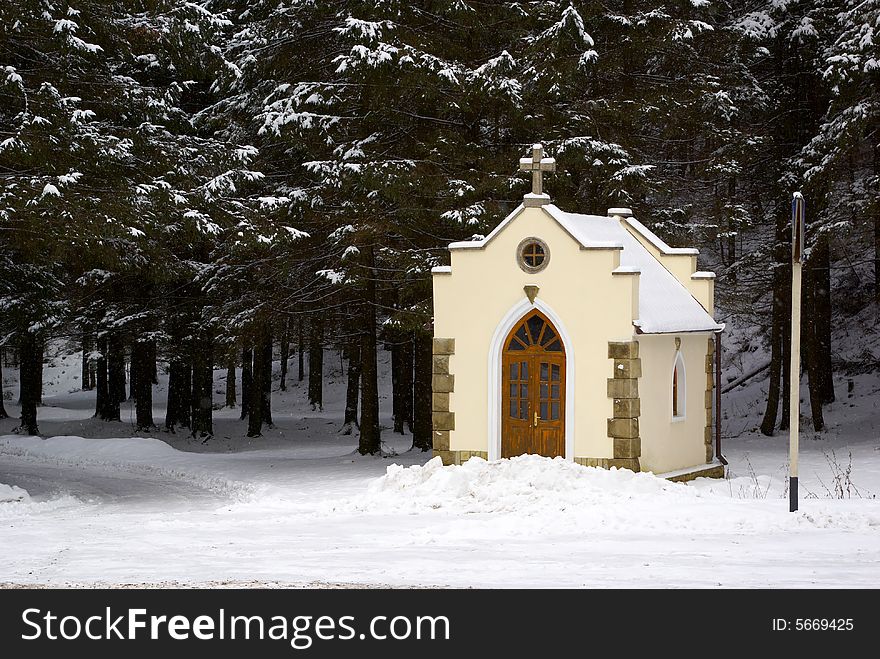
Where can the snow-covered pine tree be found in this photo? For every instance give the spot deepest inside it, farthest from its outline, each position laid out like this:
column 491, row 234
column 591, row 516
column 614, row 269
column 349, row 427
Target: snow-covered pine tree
column 108, row 187
column 843, row 156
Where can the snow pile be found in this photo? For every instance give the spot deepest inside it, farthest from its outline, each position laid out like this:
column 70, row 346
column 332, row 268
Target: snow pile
column 10, row 493
column 528, row 484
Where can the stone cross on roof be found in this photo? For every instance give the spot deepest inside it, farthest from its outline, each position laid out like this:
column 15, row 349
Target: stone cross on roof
column 537, row 165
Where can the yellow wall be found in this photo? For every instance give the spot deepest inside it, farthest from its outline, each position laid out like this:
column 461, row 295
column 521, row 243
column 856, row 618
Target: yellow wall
column 594, row 305
column 668, row 445
column 703, row 289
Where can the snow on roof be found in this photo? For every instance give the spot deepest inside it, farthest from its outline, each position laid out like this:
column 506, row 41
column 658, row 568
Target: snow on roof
column 655, row 240
column 665, row 305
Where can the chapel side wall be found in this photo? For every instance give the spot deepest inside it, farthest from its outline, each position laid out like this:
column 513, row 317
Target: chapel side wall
column 668, row 445
column 594, row 305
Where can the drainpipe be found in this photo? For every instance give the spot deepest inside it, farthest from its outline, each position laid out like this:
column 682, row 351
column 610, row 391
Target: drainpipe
column 718, row 453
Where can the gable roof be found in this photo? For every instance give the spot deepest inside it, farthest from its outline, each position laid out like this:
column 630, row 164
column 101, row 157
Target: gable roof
column 665, row 304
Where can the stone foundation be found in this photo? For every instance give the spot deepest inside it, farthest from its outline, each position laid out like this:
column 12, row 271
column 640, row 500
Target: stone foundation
column 606, row 463
column 712, row 471
column 459, row 457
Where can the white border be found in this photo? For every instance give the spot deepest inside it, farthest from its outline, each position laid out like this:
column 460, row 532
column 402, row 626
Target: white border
column 511, row 318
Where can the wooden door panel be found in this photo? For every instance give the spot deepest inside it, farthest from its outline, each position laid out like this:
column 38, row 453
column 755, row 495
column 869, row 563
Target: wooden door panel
column 549, row 397
column 533, row 395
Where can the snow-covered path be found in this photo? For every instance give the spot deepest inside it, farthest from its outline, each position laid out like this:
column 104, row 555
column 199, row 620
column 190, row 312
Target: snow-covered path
column 119, row 511
column 299, row 506
column 96, row 485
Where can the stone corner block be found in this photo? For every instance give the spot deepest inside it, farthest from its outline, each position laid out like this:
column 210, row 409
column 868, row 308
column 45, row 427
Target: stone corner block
column 444, row 346
column 627, row 368
column 627, row 408
column 623, row 428
column 623, row 349
column 440, row 402
column 441, row 440
column 443, row 420
column 627, row 448
column 448, row 457
column 440, row 364
column 623, row 388
column 442, row 384
column 625, row 463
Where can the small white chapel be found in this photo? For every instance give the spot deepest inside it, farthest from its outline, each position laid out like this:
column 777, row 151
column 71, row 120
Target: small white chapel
column 583, row 337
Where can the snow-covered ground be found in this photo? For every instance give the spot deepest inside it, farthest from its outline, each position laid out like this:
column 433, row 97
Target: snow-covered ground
column 301, row 507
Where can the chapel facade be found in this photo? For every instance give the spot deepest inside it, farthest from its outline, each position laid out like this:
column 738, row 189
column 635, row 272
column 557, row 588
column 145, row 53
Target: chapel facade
column 580, row 336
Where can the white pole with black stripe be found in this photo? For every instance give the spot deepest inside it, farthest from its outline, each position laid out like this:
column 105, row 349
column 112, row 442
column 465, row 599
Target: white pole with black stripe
column 794, row 379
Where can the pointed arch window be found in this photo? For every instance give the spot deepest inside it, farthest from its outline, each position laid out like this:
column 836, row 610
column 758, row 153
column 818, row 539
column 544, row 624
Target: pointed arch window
column 679, row 388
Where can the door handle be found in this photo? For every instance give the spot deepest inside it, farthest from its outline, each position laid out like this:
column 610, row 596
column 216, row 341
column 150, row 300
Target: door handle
column 536, row 419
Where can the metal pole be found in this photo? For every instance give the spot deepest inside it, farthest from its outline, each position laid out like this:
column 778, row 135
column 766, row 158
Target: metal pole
column 794, row 379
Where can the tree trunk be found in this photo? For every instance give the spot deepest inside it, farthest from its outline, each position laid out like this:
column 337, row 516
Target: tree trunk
column 810, row 342
column 179, row 387
column 247, row 378
column 396, row 389
column 402, row 381
column 185, row 409
column 285, row 353
column 39, row 354
column 102, row 396
column 422, row 391
column 371, row 435
column 152, row 366
column 786, row 362
column 202, row 388
column 29, row 385
column 266, row 380
column 173, row 396
column 731, row 231
column 352, row 391
column 255, row 390
column 316, row 363
column 115, row 377
column 3, row 413
column 406, row 381
column 92, row 375
column 142, row 383
column 300, row 347
column 877, row 256
column 133, row 375
column 116, row 369
column 821, row 311
column 87, row 344
column 814, row 387
column 877, row 229
column 768, row 424
column 781, row 317
column 230, row 381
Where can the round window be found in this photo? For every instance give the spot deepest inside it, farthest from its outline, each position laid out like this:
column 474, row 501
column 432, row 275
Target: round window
column 533, row 255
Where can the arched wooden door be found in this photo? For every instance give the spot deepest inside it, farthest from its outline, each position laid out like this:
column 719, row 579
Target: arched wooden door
column 533, row 389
